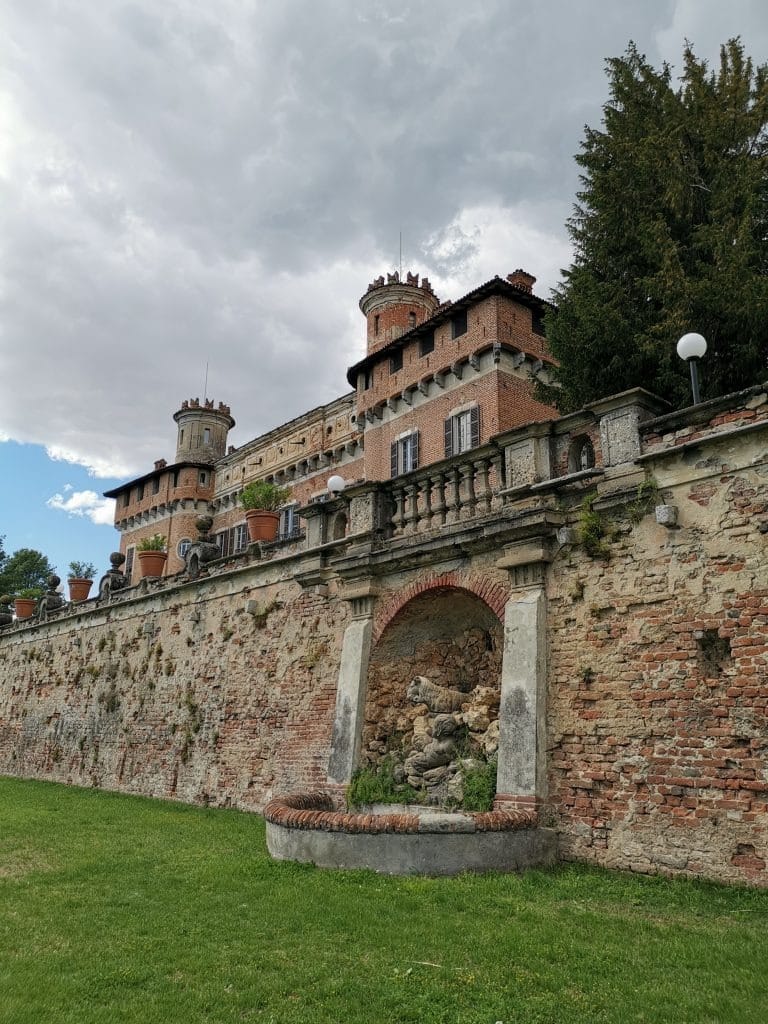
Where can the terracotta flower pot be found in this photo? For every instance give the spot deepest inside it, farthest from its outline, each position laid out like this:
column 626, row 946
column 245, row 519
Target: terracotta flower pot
column 262, row 525
column 151, row 563
column 24, row 607
column 79, row 588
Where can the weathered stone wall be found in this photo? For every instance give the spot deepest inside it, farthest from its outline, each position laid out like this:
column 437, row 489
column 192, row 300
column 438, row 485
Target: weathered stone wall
column 220, row 691
column 658, row 677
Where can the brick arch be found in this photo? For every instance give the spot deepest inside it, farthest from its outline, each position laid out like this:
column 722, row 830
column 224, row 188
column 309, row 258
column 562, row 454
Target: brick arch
column 494, row 595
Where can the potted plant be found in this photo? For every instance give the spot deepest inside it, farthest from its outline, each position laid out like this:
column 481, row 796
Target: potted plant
column 152, row 555
column 25, row 602
column 261, row 501
column 80, row 580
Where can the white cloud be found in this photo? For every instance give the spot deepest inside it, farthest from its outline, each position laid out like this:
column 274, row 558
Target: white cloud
column 496, row 240
column 89, row 504
column 97, row 467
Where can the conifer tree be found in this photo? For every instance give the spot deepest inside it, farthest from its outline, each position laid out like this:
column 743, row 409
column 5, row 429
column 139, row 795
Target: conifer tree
column 670, row 233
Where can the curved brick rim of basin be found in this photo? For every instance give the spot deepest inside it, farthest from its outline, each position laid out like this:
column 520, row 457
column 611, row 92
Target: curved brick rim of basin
column 308, row 827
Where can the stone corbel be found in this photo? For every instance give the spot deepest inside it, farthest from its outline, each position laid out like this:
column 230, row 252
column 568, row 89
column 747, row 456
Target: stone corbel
column 361, row 595
column 526, row 561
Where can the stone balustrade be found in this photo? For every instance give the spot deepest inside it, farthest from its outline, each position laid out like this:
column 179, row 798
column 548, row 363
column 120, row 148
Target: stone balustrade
column 460, row 489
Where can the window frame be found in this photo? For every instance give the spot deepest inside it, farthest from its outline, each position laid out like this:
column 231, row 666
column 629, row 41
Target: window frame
column 404, row 454
column 462, row 431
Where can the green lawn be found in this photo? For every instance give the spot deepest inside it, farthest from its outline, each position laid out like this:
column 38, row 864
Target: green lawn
column 120, row 909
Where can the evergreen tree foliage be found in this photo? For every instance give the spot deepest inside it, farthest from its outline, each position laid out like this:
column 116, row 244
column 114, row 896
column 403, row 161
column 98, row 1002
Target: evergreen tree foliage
column 24, row 569
column 670, row 233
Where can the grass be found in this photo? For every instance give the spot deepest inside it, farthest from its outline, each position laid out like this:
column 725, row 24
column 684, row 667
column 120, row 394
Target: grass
column 116, row 909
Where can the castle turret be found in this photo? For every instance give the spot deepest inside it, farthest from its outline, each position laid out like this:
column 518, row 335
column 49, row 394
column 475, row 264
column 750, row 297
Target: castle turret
column 394, row 307
column 203, row 431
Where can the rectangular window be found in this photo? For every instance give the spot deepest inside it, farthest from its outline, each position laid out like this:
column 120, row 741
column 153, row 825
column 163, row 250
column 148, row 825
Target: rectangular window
column 175, row 478
column 459, row 324
column 365, row 380
column 126, row 499
column 241, row 537
column 537, row 323
column 206, row 435
column 289, row 523
column 404, row 454
column 462, row 432
column 427, row 344
column 140, row 492
column 156, row 485
column 396, row 361
column 233, row 540
column 203, row 478
column 129, row 561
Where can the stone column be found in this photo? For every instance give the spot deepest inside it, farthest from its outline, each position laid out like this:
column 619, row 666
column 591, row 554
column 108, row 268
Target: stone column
column 521, row 776
column 522, row 771
column 351, row 687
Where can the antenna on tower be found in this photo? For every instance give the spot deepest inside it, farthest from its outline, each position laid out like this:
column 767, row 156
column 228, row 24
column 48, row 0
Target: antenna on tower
column 205, row 386
column 401, row 255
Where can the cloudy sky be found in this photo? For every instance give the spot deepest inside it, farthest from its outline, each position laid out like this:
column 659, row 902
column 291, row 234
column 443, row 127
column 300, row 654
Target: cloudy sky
column 187, row 184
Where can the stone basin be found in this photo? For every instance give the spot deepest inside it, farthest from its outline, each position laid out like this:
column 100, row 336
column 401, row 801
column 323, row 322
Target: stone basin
column 396, row 839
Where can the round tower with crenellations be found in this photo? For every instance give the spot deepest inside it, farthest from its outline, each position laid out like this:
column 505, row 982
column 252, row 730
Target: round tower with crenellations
column 202, row 431
column 393, row 307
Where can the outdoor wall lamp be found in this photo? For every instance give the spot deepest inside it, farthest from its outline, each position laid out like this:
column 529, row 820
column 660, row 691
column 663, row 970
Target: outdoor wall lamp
column 691, row 348
column 336, row 485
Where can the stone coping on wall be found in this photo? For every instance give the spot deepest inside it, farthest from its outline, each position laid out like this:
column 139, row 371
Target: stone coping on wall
column 319, row 811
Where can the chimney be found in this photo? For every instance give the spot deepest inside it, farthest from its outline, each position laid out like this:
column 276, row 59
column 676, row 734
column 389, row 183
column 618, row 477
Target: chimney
column 523, row 280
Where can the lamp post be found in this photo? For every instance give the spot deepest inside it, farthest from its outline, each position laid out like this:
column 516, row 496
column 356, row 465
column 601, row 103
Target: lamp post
column 691, row 348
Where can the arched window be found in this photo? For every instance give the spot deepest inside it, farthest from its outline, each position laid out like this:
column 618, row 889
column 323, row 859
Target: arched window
column 339, row 526
column 581, row 454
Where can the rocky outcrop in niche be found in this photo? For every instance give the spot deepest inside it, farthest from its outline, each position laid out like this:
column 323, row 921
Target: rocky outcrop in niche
column 433, row 699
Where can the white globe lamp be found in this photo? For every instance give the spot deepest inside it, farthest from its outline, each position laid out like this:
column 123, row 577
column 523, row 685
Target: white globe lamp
column 691, row 348
column 336, row 485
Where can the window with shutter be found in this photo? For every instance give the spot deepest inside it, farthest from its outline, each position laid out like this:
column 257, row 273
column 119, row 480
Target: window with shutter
column 404, row 454
column 462, row 432
column 449, row 437
column 474, row 423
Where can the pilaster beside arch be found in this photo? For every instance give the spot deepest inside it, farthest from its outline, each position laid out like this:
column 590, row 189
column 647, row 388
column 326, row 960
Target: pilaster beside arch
column 352, row 681
column 522, row 770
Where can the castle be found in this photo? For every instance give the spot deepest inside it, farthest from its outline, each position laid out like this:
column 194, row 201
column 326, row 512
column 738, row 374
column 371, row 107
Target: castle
column 578, row 601
column 438, row 379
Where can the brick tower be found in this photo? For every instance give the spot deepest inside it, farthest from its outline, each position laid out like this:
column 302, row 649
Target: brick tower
column 203, row 430
column 394, row 307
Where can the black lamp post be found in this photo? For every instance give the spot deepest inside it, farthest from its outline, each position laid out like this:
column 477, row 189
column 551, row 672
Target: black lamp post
column 691, row 348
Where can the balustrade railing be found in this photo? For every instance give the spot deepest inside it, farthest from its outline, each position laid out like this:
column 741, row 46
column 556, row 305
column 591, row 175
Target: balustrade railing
column 458, row 490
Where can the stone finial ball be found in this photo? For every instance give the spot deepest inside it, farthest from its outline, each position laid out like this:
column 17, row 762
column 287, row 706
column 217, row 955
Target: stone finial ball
column 203, row 524
column 116, row 559
column 53, row 581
